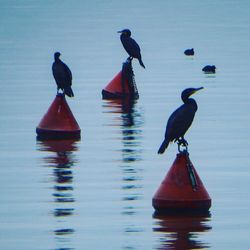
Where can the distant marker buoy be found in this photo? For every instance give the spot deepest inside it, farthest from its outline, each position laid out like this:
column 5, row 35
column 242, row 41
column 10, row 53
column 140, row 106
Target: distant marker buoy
column 122, row 85
column 182, row 189
column 58, row 122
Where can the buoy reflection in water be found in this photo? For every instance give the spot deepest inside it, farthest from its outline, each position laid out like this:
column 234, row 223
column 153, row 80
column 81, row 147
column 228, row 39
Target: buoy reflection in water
column 129, row 121
column 181, row 231
column 62, row 161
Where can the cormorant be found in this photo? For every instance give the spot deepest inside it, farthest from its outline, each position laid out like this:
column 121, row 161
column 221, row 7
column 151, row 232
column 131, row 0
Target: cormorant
column 189, row 52
column 130, row 45
column 180, row 120
column 209, row 69
column 62, row 75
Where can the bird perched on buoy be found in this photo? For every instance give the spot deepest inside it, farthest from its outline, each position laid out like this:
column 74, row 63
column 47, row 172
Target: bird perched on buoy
column 180, row 120
column 131, row 46
column 62, row 75
column 209, row 69
column 189, row 52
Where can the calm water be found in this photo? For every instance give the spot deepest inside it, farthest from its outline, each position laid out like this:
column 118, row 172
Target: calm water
column 96, row 193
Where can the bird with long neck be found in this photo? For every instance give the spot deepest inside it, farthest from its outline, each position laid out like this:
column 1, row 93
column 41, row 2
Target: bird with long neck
column 131, row 46
column 62, row 75
column 180, row 120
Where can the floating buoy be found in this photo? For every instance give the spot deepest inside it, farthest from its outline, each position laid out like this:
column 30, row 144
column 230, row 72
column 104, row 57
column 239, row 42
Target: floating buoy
column 58, row 122
column 122, row 85
column 182, row 189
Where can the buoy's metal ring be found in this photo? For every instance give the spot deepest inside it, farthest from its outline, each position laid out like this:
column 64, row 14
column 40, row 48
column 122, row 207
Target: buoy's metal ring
column 182, row 144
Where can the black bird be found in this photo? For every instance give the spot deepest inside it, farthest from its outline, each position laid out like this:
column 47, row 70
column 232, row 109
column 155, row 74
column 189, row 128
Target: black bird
column 209, row 69
column 189, row 52
column 62, row 75
column 180, row 120
column 130, row 45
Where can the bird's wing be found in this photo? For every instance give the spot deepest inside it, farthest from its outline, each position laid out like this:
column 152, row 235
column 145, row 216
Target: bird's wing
column 68, row 74
column 62, row 74
column 132, row 47
column 179, row 122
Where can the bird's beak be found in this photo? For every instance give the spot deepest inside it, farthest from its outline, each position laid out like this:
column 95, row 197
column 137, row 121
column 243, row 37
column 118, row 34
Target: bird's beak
column 195, row 90
column 119, row 31
column 199, row 89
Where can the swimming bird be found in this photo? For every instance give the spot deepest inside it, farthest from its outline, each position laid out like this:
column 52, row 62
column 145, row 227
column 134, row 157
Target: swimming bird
column 130, row 45
column 209, row 69
column 180, row 120
column 189, row 52
column 62, row 75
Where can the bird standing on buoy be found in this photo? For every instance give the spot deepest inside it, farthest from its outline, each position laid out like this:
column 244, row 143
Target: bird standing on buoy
column 62, row 75
column 131, row 46
column 180, row 120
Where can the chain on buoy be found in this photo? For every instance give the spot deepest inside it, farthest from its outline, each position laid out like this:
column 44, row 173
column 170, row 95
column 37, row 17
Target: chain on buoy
column 122, row 85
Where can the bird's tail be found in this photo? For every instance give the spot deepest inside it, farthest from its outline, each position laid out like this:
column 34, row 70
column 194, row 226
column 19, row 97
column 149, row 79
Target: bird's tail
column 163, row 147
column 141, row 63
column 68, row 91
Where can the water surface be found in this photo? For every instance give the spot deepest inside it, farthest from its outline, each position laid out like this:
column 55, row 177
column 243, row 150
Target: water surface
column 96, row 193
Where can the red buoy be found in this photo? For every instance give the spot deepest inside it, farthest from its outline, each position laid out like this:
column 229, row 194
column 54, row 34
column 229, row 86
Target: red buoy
column 182, row 189
column 58, row 122
column 122, row 85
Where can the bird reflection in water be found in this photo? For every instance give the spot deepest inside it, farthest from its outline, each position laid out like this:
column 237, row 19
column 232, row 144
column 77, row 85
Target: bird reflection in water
column 61, row 161
column 180, row 232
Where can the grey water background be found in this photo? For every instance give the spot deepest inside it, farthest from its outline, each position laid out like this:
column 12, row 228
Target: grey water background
column 96, row 193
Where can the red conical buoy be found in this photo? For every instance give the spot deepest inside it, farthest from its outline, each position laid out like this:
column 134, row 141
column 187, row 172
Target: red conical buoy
column 182, row 189
column 58, row 122
column 122, row 85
